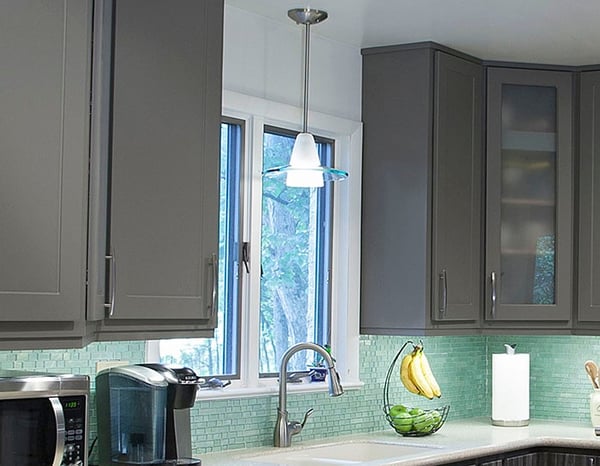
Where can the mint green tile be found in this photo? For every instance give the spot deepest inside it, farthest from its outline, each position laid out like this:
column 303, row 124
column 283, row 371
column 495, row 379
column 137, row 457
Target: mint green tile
column 462, row 365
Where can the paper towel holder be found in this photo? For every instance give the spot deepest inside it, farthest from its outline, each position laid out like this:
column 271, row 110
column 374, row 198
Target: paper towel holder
column 508, row 411
column 510, row 349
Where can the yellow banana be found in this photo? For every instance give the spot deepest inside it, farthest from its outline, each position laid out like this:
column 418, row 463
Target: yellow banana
column 428, row 374
column 405, row 374
column 417, row 376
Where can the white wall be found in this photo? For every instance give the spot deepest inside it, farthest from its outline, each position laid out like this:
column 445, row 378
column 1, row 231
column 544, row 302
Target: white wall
column 263, row 58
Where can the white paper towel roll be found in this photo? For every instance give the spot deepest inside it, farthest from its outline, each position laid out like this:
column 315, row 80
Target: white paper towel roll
column 510, row 389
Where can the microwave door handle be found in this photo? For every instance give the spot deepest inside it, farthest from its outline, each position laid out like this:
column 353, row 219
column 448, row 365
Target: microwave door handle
column 59, row 415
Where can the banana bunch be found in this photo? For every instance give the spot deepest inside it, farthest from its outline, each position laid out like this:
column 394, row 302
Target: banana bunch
column 416, row 374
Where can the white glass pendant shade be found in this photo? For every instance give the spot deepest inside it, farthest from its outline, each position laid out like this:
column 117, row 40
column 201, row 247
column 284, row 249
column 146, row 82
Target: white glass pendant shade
column 304, row 153
column 305, row 168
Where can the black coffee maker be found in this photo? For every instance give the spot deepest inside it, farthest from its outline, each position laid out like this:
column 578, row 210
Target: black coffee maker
column 144, row 416
column 181, row 394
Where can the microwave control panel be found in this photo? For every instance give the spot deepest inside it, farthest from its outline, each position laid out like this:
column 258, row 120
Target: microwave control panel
column 74, row 408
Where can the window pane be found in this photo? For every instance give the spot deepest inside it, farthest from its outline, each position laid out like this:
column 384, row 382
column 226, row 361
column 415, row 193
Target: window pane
column 295, row 258
column 219, row 355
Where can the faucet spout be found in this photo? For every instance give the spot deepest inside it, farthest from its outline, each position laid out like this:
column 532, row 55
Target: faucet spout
column 284, row 429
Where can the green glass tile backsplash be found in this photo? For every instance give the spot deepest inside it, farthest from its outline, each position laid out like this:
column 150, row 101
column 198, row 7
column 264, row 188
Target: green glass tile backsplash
column 462, row 365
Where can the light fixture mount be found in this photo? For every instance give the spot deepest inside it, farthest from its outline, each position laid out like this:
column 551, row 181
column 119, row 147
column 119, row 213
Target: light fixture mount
column 307, row 15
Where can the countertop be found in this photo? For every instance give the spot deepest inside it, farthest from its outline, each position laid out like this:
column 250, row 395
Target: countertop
column 455, row 441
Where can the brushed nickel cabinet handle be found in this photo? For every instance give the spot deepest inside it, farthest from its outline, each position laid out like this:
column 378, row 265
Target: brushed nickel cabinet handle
column 215, row 278
column 444, row 287
column 112, row 277
column 494, row 295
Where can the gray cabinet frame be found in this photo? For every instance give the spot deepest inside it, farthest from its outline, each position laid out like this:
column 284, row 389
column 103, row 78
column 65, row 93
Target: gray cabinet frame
column 421, row 191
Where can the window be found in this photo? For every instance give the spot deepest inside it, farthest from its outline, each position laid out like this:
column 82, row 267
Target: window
column 295, row 258
column 288, row 257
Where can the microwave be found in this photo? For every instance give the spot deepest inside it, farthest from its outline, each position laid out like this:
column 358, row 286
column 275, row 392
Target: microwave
column 43, row 419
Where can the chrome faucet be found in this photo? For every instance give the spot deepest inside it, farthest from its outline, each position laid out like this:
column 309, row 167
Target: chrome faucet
column 284, row 429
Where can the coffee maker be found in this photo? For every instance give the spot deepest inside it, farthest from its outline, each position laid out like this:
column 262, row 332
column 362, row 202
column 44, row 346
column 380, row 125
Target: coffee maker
column 143, row 415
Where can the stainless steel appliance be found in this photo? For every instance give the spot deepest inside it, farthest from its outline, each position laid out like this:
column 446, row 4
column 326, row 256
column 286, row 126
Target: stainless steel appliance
column 143, row 415
column 43, row 419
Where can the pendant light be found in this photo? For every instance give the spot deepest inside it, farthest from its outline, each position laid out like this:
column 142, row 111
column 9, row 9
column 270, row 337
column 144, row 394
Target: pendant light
column 305, row 169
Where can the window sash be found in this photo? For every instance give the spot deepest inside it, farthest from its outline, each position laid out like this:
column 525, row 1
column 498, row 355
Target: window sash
column 322, row 211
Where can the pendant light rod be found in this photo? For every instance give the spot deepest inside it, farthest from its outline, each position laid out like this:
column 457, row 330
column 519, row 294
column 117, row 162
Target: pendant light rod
column 307, row 17
column 306, row 73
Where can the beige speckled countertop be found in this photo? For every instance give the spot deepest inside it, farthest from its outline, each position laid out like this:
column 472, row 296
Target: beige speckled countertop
column 455, row 441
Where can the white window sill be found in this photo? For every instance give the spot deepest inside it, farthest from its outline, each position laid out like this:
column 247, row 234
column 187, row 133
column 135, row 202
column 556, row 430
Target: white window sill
column 234, row 390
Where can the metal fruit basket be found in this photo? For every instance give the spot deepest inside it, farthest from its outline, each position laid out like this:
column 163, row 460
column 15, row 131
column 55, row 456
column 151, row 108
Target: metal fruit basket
column 400, row 422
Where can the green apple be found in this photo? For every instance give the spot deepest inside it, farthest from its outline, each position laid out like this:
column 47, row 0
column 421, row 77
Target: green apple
column 403, row 422
column 423, row 422
column 437, row 418
column 396, row 409
column 416, row 411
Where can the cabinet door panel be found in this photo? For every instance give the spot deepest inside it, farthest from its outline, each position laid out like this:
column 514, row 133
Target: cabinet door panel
column 529, row 199
column 457, row 188
column 589, row 199
column 44, row 97
column 529, row 459
column 567, row 459
column 165, row 158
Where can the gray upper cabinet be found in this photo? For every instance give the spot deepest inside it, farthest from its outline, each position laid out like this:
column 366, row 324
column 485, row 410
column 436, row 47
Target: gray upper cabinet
column 529, row 226
column 128, row 156
column 44, row 115
column 421, row 218
column 589, row 199
column 164, row 171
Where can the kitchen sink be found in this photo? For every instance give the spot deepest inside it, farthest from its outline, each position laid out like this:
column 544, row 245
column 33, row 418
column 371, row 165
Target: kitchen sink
column 369, row 452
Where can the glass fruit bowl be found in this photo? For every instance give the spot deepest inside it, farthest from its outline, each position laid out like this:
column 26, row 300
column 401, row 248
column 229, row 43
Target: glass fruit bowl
column 407, row 421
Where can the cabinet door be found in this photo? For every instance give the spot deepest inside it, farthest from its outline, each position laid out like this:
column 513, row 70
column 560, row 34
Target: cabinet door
column 166, row 111
column 529, row 199
column 44, row 102
column 568, row 459
column 589, row 199
column 528, row 459
column 457, row 187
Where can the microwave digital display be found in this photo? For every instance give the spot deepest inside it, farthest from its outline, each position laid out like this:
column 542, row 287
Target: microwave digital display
column 74, row 404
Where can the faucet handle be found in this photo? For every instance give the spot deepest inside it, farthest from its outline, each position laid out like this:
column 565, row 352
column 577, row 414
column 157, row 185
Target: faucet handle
column 308, row 413
column 295, row 427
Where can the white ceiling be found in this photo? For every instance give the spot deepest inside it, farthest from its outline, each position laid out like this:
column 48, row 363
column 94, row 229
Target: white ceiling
column 535, row 31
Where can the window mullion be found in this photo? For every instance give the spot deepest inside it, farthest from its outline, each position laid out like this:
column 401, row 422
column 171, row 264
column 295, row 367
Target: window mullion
column 250, row 313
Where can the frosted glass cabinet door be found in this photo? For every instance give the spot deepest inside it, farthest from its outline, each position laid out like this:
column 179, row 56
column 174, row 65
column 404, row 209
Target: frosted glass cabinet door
column 529, row 195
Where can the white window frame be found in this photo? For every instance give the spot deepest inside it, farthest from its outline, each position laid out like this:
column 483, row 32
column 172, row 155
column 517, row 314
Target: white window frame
column 256, row 113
